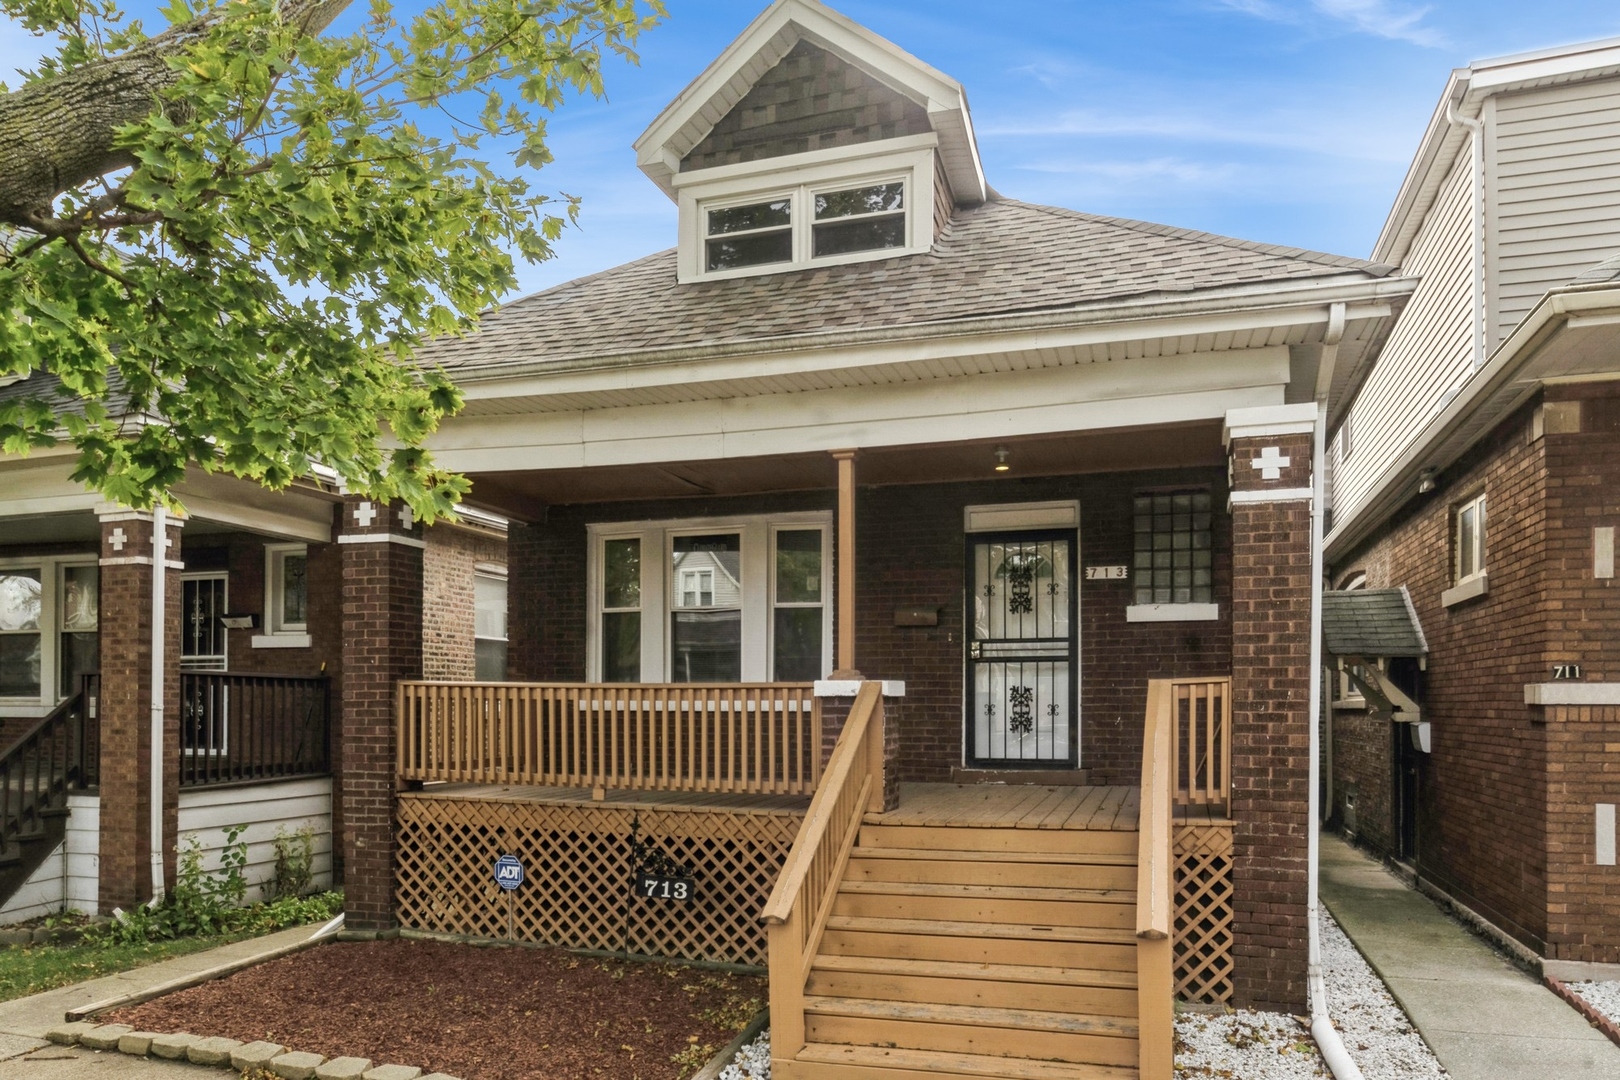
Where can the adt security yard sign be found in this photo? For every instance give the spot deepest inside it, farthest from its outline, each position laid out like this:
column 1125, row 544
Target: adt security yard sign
column 508, row 872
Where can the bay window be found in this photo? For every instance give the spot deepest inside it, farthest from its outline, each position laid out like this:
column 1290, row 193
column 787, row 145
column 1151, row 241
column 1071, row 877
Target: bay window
column 714, row 600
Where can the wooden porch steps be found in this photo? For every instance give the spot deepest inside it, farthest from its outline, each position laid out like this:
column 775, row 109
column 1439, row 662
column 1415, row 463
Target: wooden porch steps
column 970, row 951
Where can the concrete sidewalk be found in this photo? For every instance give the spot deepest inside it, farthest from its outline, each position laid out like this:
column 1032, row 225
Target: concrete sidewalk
column 24, row 1021
column 1484, row 1018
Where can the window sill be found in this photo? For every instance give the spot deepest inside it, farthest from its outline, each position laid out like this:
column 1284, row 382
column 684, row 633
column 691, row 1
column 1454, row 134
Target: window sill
column 1172, row 613
column 1350, row 704
column 1478, row 585
column 281, row 641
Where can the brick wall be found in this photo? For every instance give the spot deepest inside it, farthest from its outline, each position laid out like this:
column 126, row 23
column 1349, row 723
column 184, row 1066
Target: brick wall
column 1271, row 639
column 911, row 553
column 448, row 613
column 811, row 100
column 1363, row 764
column 1481, row 822
column 241, row 556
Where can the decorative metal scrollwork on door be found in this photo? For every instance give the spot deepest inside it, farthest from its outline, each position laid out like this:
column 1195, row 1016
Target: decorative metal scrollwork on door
column 1021, row 649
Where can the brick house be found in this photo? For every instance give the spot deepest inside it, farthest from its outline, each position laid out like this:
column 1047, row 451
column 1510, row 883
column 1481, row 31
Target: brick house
column 919, row 569
column 253, row 651
column 1477, row 470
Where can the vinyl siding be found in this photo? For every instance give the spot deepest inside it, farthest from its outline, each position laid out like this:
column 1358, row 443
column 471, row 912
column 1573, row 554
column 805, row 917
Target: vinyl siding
column 263, row 808
column 1429, row 353
column 1555, row 172
column 43, row 892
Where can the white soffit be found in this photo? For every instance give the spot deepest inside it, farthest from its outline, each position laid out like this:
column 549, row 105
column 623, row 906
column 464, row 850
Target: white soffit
column 707, row 99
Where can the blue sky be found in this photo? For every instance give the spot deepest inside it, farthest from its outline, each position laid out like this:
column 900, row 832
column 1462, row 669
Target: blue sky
column 1290, row 121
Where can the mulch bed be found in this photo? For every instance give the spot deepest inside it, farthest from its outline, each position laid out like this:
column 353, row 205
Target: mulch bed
column 481, row 1013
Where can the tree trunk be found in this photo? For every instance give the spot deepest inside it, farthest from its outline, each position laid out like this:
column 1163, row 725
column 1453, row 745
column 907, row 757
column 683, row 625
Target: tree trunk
column 57, row 134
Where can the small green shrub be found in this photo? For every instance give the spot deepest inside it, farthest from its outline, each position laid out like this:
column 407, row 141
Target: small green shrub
column 295, row 858
column 210, row 903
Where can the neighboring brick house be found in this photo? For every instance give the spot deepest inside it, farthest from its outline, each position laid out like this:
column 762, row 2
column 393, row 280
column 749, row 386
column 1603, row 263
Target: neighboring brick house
column 1478, row 469
column 254, row 650
column 869, row 418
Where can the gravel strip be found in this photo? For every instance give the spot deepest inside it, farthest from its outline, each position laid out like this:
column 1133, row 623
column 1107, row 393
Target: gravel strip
column 753, row 1062
column 1602, row 996
column 1275, row 1046
column 1376, row 1032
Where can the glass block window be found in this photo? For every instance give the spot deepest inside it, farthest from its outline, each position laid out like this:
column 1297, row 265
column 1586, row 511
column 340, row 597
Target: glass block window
column 1173, row 562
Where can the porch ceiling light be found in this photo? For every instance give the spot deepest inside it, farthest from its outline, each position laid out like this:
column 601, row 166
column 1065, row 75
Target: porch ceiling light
column 1425, row 481
column 1001, row 459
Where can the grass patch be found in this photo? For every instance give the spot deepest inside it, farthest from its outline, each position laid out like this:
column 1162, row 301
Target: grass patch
column 33, row 969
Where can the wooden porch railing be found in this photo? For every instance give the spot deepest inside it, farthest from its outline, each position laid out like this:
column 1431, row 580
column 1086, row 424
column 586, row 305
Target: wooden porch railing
column 1201, row 743
column 1155, row 897
column 739, row 737
column 51, row 759
column 796, row 914
column 241, row 726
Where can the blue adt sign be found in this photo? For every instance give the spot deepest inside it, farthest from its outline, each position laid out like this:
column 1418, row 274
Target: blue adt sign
column 508, row 872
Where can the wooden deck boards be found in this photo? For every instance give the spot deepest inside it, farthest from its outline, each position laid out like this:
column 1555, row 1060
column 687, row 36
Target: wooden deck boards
column 617, row 797
column 1015, row 806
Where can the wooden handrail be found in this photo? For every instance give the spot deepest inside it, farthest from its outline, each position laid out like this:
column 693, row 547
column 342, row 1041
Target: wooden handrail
column 240, row 725
column 801, row 901
column 1154, row 887
column 761, row 738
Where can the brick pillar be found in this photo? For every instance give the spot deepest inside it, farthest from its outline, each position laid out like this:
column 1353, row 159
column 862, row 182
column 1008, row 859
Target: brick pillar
column 837, row 698
column 1270, row 464
column 125, row 707
column 382, row 643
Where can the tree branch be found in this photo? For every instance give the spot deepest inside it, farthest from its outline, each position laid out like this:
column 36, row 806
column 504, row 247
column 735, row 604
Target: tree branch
column 57, row 133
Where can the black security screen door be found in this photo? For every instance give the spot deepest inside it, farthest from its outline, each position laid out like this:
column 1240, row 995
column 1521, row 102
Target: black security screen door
column 1022, row 666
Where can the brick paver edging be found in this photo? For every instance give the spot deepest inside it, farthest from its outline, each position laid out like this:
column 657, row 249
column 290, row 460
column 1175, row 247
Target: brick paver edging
column 270, row 1057
column 1584, row 1007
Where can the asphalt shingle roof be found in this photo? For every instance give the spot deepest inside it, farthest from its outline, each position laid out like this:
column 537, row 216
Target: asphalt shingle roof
column 1371, row 622
column 46, row 386
column 1002, row 257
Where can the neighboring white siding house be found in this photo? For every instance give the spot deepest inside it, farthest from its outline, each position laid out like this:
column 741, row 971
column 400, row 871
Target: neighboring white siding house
column 1544, row 129
column 1555, row 158
column 1429, row 353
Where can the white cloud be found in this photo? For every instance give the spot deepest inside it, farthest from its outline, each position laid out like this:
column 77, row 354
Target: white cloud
column 1170, row 169
column 1380, row 18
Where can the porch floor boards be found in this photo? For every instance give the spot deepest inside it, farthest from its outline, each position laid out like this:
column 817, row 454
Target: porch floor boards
column 1015, row 806
column 650, row 800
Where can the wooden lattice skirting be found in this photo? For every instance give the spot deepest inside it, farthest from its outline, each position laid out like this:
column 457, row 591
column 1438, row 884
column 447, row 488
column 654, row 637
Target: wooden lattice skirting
column 577, row 863
column 1203, row 926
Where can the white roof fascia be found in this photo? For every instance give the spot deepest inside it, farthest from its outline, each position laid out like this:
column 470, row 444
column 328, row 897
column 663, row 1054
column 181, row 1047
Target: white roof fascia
column 1436, row 446
column 1271, row 308
column 696, row 109
column 1467, row 88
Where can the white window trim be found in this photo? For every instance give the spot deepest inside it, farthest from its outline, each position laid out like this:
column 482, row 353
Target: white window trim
column 480, row 572
column 1172, row 613
column 1458, row 578
column 719, row 188
column 758, row 605
column 276, row 635
column 50, row 634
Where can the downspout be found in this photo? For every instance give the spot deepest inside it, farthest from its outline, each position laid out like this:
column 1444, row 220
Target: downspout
column 160, row 559
column 1322, row 1029
column 1476, row 129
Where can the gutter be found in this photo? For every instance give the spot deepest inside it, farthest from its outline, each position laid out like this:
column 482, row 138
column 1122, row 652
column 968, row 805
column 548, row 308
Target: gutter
column 1322, row 1030
column 160, row 559
column 1476, row 130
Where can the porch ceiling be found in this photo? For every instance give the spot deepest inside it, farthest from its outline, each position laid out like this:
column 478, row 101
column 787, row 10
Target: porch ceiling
column 524, row 495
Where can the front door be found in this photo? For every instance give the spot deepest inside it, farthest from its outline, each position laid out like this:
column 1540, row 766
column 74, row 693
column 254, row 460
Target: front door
column 1023, row 659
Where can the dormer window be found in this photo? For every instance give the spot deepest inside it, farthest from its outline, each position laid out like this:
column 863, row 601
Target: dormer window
column 859, row 219
column 807, row 224
column 754, row 234
column 849, row 204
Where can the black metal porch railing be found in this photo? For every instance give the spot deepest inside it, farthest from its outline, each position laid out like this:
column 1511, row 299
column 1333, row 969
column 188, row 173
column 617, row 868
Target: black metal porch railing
column 236, row 726
column 56, row 756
